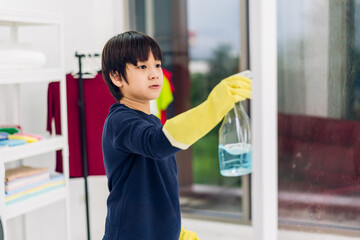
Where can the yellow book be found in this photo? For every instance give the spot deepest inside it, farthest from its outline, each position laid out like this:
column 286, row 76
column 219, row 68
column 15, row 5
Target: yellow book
column 23, row 137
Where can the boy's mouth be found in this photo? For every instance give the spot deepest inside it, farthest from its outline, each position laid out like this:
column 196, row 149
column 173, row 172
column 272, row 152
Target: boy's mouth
column 155, row 86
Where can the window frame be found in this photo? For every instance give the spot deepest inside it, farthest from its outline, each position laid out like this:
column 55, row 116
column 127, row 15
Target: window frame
column 263, row 57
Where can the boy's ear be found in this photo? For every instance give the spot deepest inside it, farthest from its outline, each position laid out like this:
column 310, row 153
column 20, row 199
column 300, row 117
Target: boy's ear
column 116, row 79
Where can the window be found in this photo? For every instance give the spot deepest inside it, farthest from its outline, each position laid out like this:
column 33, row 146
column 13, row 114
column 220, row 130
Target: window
column 318, row 118
column 318, row 108
column 200, row 48
column 214, row 43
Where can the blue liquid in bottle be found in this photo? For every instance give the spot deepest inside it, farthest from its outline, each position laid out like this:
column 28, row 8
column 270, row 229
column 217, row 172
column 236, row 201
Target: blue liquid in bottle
column 235, row 159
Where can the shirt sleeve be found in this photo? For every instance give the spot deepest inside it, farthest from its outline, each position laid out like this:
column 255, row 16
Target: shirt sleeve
column 135, row 134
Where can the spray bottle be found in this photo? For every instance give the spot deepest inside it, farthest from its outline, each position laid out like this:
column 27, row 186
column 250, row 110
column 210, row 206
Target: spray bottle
column 235, row 141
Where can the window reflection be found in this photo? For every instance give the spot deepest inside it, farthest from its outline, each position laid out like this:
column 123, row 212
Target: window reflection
column 318, row 120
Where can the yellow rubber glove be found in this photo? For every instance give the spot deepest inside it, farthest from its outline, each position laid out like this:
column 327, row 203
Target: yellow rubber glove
column 188, row 235
column 188, row 127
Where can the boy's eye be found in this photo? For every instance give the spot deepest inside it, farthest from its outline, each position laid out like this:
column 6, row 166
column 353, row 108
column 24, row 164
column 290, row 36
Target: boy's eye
column 158, row 65
column 142, row 66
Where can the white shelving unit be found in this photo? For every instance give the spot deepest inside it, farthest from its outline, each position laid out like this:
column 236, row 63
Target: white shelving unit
column 25, row 76
column 15, row 19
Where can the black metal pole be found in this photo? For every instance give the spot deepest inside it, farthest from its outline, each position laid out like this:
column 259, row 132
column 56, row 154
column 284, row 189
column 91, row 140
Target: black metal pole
column 81, row 104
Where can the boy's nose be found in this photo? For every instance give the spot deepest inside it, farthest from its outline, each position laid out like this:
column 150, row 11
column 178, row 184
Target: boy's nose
column 153, row 75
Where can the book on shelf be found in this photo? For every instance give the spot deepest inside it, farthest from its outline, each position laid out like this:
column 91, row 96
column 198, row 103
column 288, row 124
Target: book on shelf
column 24, row 182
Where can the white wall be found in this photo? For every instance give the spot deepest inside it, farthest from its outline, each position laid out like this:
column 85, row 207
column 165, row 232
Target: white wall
column 88, row 24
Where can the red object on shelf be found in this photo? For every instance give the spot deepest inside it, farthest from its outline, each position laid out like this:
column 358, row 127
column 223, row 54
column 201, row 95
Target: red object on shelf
column 97, row 103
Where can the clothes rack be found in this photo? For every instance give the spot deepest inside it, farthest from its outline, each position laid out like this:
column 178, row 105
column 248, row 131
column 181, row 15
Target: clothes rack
column 81, row 104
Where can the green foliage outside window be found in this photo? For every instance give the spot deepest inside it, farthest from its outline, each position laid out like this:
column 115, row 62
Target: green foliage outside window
column 205, row 151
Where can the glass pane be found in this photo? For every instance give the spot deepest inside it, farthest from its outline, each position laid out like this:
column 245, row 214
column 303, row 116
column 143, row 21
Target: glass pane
column 214, row 42
column 319, row 113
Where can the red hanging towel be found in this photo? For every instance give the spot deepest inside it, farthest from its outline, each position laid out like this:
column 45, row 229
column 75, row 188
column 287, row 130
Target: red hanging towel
column 97, row 103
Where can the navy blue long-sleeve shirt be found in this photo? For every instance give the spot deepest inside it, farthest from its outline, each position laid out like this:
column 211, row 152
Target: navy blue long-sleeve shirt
column 143, row 203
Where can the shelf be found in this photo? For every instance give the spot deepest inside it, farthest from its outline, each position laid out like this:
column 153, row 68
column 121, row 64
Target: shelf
column 38, row 75
column 35, row 202
column 17, row 21
column 8, row 154
column 25, row 18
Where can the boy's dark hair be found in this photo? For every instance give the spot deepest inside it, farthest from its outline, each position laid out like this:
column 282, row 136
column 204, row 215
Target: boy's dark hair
column 127, row 47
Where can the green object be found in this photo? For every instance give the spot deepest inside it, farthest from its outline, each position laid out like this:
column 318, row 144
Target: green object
column 9, row 130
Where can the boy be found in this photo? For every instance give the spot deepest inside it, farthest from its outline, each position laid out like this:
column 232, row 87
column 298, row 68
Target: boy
column 143, row 203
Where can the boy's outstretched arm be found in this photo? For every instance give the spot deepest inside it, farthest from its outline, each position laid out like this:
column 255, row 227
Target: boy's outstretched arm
column 186, row 128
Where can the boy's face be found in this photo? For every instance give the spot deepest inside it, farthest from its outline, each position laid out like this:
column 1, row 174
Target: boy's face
column 144, row 80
